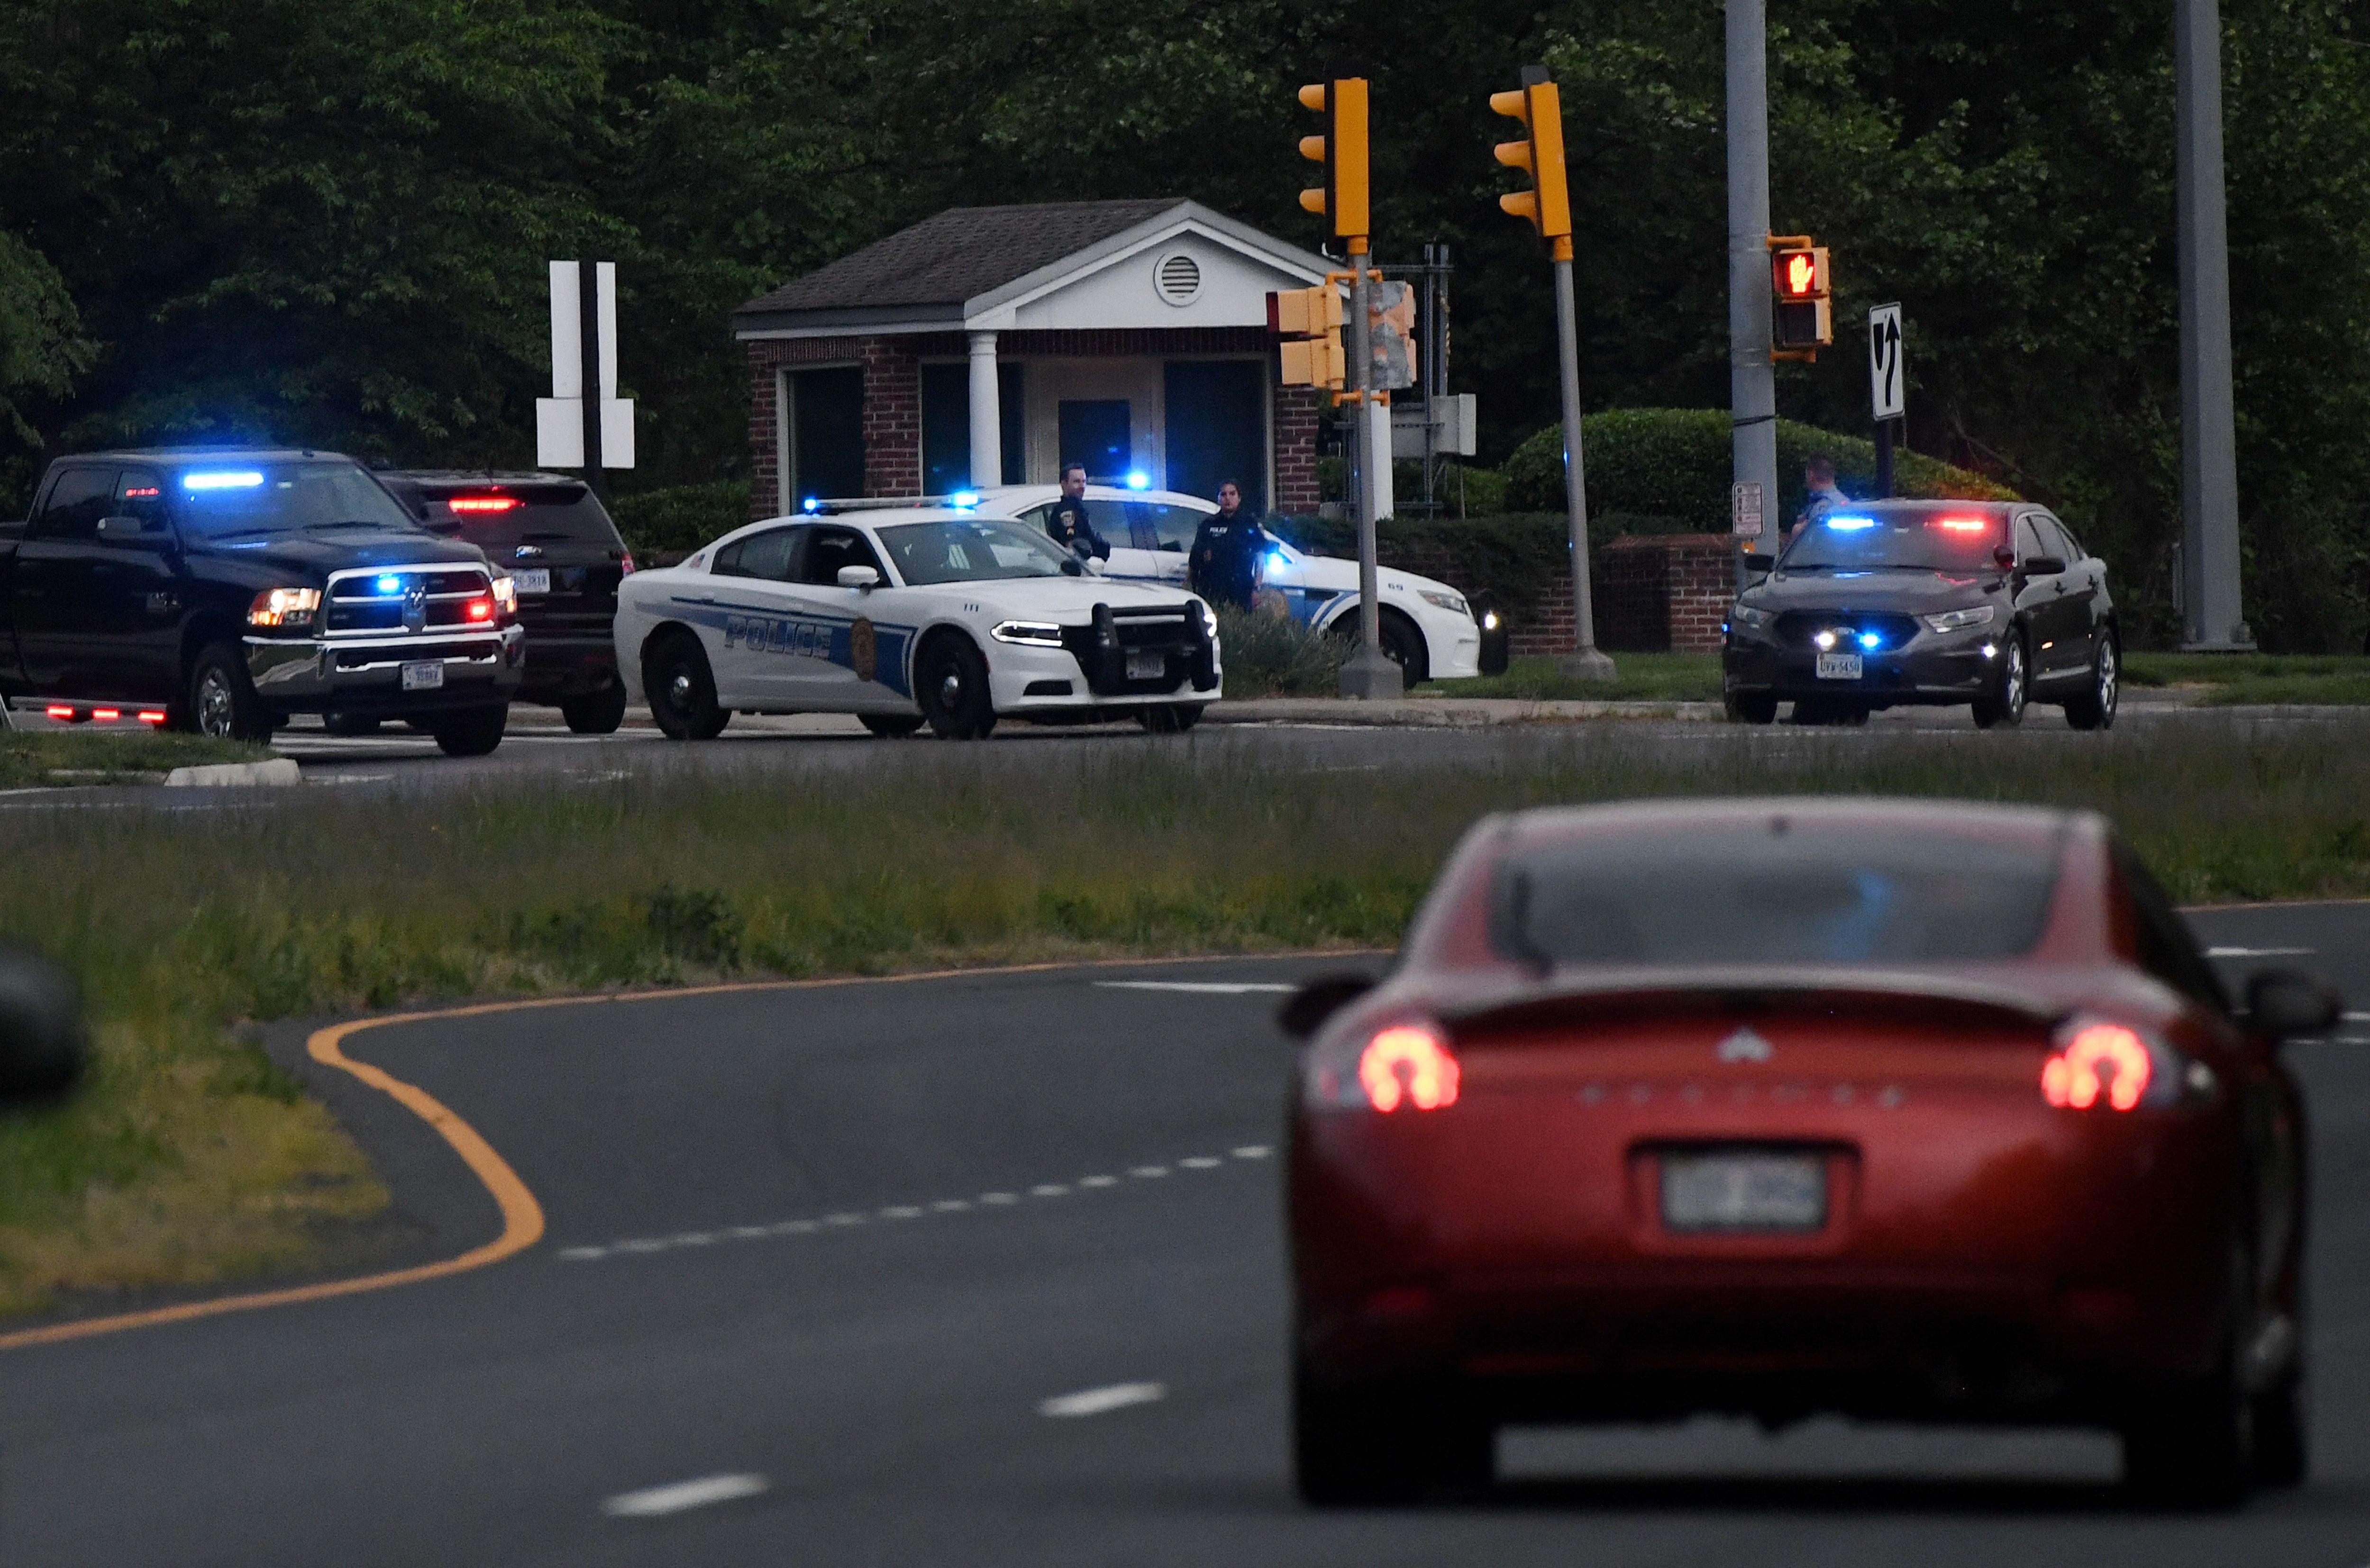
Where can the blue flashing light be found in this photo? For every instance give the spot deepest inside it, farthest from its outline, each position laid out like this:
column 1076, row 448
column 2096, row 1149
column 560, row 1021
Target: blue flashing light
column 389, row 585
column 1870, row 640
column 1849, row 523
column 1138, row 479
column 813, row 503
column 963, row 499
column 222, row 479
column 1278, row 561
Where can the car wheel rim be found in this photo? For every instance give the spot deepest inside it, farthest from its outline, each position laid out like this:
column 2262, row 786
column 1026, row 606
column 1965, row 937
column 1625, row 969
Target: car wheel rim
column 215, row 707
column 2108, row 677
column 679, row 690
column 2014, row 695
column 950, row 689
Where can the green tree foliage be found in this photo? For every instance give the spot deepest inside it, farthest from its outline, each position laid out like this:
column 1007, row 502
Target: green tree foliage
column 327, row 219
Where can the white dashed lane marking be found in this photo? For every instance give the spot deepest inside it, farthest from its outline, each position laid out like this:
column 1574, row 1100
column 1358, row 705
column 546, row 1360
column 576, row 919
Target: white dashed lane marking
column 1196, row 987
column 2260, row 952
column 642, row 1246
column 655, row 1502
column 1100, row 1402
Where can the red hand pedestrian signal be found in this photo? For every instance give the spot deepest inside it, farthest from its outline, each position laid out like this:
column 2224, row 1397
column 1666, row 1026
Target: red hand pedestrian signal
column 1800, row 322
column 1801, row 274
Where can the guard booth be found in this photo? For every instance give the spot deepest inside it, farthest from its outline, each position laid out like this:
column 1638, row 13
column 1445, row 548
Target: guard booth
column 992, row 345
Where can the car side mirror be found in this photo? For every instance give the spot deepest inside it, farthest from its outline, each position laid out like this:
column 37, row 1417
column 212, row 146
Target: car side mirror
column 2043, row 566
column 1305, row 1011
column 1070, row 568
column 2004, row 557
column 1757, row 561
column 120, row 528
column 2284, row 1004
column 867, row 578
column 43, row 1040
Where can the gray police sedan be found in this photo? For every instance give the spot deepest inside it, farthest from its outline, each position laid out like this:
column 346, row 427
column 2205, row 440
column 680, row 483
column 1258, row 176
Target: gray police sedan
column 1883, row 603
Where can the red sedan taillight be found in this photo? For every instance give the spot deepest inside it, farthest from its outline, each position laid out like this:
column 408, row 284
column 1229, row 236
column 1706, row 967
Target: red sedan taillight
column 1400, row 1065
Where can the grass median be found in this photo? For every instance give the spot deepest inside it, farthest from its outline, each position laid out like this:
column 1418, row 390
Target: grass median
column 57, row 758
column 189, row 1159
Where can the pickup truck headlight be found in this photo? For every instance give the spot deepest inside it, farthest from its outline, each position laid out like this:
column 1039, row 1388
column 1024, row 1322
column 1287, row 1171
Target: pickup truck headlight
column 283, row 607
column 1031, row 634
column 1953, row 620
column 1447, row 601
column 506, row 598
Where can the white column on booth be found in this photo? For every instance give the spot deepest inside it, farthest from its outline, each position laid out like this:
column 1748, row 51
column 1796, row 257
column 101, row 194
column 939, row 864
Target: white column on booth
column 986, row 415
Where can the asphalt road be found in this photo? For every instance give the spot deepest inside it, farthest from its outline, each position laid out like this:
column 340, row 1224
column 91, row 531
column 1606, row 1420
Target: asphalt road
column 982, row 1270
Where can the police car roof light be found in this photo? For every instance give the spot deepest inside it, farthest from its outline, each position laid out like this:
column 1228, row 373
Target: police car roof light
column 1138, row 479
column 221, row 479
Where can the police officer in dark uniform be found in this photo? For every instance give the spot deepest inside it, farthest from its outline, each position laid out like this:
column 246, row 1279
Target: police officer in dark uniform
column 1068, row 524
column 1224, row 567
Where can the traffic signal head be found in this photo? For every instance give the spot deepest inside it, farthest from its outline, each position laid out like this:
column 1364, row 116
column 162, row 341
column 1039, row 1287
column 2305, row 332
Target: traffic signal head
column 1802, row 316
column 1307, row 325
column 1547, row 206
column 1341, row 199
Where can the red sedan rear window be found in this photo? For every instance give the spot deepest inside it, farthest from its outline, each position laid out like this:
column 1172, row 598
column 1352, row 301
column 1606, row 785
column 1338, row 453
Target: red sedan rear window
column 1775, row 892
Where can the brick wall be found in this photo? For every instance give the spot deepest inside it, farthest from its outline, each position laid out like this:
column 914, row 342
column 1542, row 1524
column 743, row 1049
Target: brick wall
column 1652, row 594
column 893, row 416
column 1299, row 415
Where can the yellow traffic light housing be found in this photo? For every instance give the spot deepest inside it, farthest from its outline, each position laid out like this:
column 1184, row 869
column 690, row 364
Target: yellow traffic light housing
column 1307, row 323
column 1546, row 205
column 1341, row 199
column 1802, row 314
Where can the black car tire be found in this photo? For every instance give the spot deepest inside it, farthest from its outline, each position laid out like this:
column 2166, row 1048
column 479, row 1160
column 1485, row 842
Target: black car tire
column 1750, row 707
column 221, row 700
column 471, row 732
column 681, row 689
column 337, row 723
column 2004, row 703
column 1402, row 642
column 2282, row 1428
column 1170, row 718
column 2095, row 708
column 2190, row 1444
column 596, row 713
column 951, row 680
column 891, row 726
column 1383, row 1442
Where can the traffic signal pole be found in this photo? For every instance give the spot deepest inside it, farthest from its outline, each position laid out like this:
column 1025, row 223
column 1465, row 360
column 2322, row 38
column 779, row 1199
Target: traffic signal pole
column 1752, row 377
column 2213, row 618
column 1585, row 660
column 1369, row 672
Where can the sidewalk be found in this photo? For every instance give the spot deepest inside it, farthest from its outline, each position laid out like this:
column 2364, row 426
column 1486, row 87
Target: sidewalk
column 1454, row 713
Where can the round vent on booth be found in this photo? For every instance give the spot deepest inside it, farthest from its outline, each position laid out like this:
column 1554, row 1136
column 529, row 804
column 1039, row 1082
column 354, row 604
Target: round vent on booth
column 1178, row 277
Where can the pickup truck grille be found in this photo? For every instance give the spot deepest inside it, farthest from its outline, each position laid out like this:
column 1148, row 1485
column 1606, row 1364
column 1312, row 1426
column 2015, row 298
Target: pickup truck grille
column 359, row 604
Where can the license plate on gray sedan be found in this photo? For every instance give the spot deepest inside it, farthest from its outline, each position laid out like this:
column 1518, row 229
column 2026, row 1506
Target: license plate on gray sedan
column 424, row 676
column 1146, row 666
column 1839, row 667
column 1745, row 1192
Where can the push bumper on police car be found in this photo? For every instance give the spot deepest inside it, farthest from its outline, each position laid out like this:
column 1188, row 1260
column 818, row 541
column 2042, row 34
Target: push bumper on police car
column 1149, row 653
column 397, row 641
column 1873, row 659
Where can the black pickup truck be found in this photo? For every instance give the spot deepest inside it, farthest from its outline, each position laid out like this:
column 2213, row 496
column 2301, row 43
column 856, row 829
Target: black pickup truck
column 222, row 589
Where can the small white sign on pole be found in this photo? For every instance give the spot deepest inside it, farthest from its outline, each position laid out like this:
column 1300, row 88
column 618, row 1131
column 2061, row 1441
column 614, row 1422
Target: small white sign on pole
column 1888, row 372
column 1744, row 510
column 560, row 418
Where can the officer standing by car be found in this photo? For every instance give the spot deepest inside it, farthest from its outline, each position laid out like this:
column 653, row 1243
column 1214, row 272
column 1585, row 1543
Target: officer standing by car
column 1224, row 567
column 1820, row 491
column 1068, row 523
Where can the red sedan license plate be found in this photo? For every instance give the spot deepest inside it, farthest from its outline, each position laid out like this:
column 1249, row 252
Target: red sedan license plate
column 1746, row 1191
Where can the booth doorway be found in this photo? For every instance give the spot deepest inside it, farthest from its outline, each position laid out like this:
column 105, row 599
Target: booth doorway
column 1217, row 428
column 1095, row 432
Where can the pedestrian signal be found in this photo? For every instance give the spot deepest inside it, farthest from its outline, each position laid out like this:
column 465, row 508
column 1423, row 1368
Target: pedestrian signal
column 1803, row 315
column 1390, row 335
column 1341, row 199
column 1306, row 327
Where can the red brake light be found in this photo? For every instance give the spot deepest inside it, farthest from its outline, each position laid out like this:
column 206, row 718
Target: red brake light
column 60, row 712
column 481, row 609
column 2072, row 1076
column 151, row 716
column 1407, row 1063
column 628, row 565
column 107, row 716
column 483, row 503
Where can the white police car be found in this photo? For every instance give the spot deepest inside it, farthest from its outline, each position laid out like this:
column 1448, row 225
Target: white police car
column 905, row 615
column 1426, row 627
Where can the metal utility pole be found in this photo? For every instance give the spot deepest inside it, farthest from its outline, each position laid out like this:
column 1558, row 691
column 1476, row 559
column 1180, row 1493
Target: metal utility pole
column 1752, row 376
column 2212, row 618
column 588, row 309
column 1587, row 661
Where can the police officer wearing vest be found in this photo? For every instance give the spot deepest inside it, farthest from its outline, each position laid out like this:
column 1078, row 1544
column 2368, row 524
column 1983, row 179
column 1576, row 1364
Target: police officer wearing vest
column 1224, row 567
column 1068, row 524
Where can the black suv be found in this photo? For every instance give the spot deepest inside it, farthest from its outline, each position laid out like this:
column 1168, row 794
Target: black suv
column 555, row 539
column 220, row 590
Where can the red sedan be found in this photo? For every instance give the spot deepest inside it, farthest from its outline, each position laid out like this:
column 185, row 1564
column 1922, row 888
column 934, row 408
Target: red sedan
column 1899, row 1110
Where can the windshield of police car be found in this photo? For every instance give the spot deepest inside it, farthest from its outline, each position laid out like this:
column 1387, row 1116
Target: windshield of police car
column 1775, row 893
column 1922, row 540
column 971, row 549
column 242, row 496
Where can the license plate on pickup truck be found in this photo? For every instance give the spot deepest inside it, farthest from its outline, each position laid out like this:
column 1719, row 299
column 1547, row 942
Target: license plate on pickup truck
column 1746, row 1191
column 427, row 675
column 534, row 580
column 1146, row 666
column 1839, row 667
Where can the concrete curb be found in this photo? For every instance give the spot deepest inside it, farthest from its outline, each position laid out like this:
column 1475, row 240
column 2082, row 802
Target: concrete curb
column 278, row 771
column 1462, row 713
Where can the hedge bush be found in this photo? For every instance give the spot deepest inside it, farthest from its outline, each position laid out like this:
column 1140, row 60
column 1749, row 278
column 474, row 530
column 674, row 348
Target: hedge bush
column 680, row 520
column 1676, row 464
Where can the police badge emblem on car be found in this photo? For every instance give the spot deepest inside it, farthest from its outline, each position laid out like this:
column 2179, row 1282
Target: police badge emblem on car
column 863, row 649
column 415, row 607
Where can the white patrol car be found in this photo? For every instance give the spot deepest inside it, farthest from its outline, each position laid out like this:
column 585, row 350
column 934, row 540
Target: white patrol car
column 905, row 616
column 1427, row 629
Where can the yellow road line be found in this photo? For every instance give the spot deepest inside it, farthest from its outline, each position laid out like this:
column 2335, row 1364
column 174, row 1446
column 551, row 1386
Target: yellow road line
column 521, row 1215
